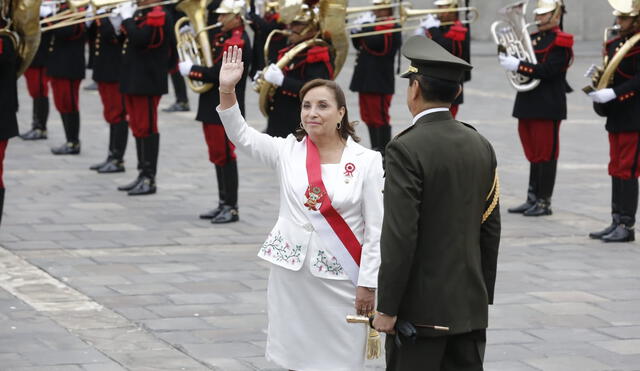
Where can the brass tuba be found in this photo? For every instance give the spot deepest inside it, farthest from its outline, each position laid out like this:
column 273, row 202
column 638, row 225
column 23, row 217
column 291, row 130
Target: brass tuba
column 23, row 27
column 512, row 36
column 195, row 46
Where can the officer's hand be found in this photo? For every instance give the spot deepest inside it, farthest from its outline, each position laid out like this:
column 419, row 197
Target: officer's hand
column 274, row 75
column 231, row 69
column 430, row 22
column 602, row 95
column 127, row 9
column 365, row 300
column 185, row 67
column 46, row 10
column 384, row 323
column 508, row 62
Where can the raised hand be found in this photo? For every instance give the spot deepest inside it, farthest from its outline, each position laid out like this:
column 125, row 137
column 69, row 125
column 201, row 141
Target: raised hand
column 232, row 68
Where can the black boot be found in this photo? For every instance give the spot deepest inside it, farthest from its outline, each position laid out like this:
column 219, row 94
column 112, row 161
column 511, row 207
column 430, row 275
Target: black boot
column 119, row 134
column 384, row 137
column 546, row 182
column 132, row 185
column 628, row 206
column 71, row 123
column 221, row 197
column 147, row 183
column 1, row 203
column 229, row 212
column 109, row 154
column 615, row 211
column 39, row 125
column 531, row 191
column 373, row 136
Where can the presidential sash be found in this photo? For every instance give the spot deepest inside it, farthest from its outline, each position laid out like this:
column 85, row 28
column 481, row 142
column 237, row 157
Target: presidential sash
column 333, row 230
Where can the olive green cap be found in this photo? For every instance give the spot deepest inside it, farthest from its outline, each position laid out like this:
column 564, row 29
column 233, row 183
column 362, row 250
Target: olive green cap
column 428, row 58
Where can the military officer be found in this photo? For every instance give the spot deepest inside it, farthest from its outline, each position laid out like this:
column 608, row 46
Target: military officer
column 540, row 111
column 440, row 236
column 65, row 64
column 107, row 55
column 314, row 62
column 9, row 64
column 620, row 103
column 147, row 58
column 454, row 37
column 38, row 85
column 376, row 54
column 221, row 150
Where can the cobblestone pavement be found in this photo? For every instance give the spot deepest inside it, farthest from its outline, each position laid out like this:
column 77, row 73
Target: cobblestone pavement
column 91, row 279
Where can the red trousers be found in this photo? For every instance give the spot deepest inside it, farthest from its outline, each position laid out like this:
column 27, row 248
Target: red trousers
column 37, row 81
column 142, row 111
column 221, row 150
column 540, row 139
column 112, row 102
column 454, row 110
column 624, row 155
column 374, row 108
column 3, row 148
column 65, row 94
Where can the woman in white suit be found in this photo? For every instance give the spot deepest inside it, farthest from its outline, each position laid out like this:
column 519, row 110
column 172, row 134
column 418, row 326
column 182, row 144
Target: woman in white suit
column 324, row 248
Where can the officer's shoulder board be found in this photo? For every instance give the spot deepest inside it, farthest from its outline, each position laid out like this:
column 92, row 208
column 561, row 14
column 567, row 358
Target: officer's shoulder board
column 564, row 39
column 156, row 17
column 318, row 54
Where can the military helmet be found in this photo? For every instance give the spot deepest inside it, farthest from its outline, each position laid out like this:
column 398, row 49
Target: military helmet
column 630, row 8
column 231, row 7
column 449, row 3
column 546, row 6
column 381, row 2
column 306, row 14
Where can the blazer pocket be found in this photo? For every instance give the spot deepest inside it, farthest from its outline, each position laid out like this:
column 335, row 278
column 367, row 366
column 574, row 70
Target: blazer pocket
column 286, row 245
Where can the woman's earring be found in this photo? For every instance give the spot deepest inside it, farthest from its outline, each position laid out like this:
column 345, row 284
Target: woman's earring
column 338, row 126
column 301, row 127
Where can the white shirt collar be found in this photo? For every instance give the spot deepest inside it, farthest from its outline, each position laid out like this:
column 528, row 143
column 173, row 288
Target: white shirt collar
column 428, row 111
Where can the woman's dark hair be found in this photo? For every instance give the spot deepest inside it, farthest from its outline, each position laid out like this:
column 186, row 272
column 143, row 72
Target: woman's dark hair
column 434, row 89
column 346, row 128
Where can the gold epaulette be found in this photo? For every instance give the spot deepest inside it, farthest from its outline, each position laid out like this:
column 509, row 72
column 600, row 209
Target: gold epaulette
column 495, row 190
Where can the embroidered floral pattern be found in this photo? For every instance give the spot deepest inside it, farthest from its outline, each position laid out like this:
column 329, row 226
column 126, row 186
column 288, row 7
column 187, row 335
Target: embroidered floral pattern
column 280, row 250
column 324, row 264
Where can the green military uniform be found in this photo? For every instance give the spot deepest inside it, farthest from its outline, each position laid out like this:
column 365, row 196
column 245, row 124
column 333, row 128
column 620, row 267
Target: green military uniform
column 438, row 257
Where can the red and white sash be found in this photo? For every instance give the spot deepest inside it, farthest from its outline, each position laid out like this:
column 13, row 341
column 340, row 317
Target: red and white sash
column 335, row 233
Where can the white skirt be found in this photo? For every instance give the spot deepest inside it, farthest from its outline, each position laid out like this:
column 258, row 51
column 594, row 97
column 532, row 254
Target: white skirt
column 307, row 326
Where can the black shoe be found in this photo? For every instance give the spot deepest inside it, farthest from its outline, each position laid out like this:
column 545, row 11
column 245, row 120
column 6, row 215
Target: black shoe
column 177, row 107
column 614, row 223
column 113, row 166
column 541, row 208
column 212, row 213
column 228, row 214
column 522, row 208
column 34, row 134
column 145, row 186
column 621, row 233
column 130, row 186
column 92, row 86
column 100, row 164
column 69, row 148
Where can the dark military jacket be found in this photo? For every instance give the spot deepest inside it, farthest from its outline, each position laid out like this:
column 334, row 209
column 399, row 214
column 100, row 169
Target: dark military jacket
column 623, row 113
column 148, row 54
column 211, row 99
column 373, row 72
column 262, row 27
column 438, row 259
column 455, row 38
column 65, row 57
column 40, row 58
column 548, row 101
column 107, row 53
column 8, row 88
column 315, row 62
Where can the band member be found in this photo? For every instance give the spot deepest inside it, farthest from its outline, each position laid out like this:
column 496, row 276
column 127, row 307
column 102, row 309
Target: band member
column 221, row 150
column 454, row 36
column 620, row 103
column 540, row 110
column 9, row 64
column 376, row 55
column 107, row 55
column 65, row 64
column 38, row 85
column 262, row 27
column 315, row 62
column 179, row 86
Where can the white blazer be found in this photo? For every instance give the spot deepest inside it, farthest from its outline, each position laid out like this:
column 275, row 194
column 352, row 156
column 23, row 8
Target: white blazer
column 358, row 200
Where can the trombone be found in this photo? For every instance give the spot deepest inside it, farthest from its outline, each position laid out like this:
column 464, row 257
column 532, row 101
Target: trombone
column 407, row 14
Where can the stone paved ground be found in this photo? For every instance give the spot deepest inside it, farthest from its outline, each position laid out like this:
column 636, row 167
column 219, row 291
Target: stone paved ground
column 91, row 279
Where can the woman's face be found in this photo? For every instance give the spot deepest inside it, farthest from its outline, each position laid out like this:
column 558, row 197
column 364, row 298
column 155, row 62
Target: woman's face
column 320, row 113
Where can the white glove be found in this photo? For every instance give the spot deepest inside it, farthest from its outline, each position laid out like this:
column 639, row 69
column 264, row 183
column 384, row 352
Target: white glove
column 257, row 75
column 89, row 14
column 508, row 62
column 185, row 67
column 602, row 95
column 127, row 9
column 46, row 10
column 419, row 32
column 274, row 75
column 367, row 17
column 429, row 22
column 116, row 21
column 101, row 10
column 187, row 29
